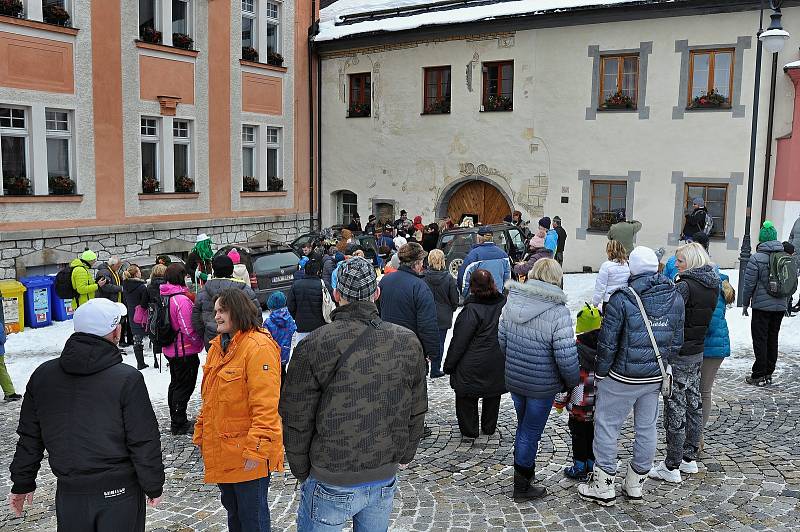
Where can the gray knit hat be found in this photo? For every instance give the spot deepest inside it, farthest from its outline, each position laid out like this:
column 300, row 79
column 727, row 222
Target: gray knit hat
column 357, row 280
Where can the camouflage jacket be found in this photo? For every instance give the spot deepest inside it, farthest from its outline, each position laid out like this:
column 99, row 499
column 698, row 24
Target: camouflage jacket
column 354, row 425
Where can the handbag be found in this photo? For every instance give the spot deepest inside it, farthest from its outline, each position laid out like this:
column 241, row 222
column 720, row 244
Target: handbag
column 328, row 306
column 666, row 372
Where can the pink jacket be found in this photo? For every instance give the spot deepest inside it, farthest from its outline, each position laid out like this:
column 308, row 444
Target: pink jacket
column 187, row 342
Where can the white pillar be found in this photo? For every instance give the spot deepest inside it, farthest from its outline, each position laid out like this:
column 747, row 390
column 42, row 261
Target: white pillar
column 33, row 10
column 38, row 150
column 166, row 26
column 168, row 166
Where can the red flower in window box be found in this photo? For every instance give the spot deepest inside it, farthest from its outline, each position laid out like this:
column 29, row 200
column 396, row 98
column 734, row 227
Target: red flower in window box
column 150, row 185
column 274, row 59
column 17, row 185
column 249, row 53
column 150, row 34
column 184, row 184
column 712, row 99
column 359, row 109
column 181, row 40
column 619, row 100
column 55, row 14
column 498, row 103
column 11, row 8
column 438, row 107
column 62, row 185
column 250, row 183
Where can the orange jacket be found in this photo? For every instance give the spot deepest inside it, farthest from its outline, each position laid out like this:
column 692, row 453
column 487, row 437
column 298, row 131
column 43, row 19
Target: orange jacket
column 239, row 416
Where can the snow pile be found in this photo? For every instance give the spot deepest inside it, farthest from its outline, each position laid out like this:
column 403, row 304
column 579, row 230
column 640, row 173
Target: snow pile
column 330, row 15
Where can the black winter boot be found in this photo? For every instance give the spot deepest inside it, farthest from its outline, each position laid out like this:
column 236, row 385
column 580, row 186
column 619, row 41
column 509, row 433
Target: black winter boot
column 523, row 490
column 138, row 350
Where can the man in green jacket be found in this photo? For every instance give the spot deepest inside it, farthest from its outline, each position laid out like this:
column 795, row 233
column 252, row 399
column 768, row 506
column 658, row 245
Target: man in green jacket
column 82, row 281
column 624, row 231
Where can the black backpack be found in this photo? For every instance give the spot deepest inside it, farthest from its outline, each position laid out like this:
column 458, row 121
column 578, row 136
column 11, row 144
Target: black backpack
column 159, row 327
column 63, row 285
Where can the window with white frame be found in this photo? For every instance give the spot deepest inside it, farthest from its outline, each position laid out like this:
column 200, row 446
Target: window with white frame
column 150, row 141
column 274, row 176
column 249, row 30
column 182, row 156
column 59, row 152
column 56, row 12
column 250, row 181
column 182, row 17
column 273, row 21
column 149, row 23
column 14, row 152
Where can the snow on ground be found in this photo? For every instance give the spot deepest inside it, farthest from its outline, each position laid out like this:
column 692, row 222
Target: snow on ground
column 27, row 349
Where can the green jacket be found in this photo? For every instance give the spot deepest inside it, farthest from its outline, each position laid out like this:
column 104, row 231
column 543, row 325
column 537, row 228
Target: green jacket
column 623, row 232
column 82, row 282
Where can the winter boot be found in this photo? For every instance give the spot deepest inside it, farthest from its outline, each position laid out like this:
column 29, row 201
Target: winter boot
column 577, row 471
column 523, row 490
column 138, row 350
column 599, row 489
column 756, row 381
column 633, row 484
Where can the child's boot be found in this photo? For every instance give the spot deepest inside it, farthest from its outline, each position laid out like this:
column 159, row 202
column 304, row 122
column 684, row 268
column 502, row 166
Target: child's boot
column 577, row 471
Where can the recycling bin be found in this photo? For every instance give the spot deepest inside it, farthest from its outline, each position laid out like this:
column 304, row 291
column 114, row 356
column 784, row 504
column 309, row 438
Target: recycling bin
column 13, row 305
column 61, row 308
column 38, row 310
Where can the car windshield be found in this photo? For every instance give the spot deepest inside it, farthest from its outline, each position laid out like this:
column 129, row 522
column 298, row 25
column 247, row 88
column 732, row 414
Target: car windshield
column 457, row 243
column 275, row 261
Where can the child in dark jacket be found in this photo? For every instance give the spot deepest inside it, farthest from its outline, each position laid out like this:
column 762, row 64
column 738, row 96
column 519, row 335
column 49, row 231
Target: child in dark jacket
column 580, row 400
column 281, row 326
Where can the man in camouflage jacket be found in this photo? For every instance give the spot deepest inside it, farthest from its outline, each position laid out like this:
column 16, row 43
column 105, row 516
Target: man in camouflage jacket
column 353, row 406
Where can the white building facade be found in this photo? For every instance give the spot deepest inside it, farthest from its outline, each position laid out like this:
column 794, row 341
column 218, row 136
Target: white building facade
column 575, row 113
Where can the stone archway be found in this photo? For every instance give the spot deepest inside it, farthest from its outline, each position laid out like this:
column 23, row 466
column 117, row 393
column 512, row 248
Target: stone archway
column 474, row 194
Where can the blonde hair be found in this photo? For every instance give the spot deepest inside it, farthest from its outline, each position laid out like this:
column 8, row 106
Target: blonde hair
column 133, row 271
column 616, row 252
column 436, row 259
column 694, row 255
column 548, row 271
column 158, row 271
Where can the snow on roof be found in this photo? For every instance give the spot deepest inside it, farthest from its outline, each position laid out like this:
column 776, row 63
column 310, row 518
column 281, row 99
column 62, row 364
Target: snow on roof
column 793, row 64
column 332, row 28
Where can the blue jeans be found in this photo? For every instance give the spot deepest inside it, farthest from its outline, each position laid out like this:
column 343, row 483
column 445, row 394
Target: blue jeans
column 326, row 508
column 532, row 416
column 436, row 362
column 247, row 505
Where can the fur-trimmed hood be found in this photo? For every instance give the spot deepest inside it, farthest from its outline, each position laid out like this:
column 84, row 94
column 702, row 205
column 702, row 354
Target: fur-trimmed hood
column 528, row 301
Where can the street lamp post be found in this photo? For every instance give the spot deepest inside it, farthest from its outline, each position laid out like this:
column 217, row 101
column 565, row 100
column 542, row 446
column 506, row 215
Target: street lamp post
column 773, row 39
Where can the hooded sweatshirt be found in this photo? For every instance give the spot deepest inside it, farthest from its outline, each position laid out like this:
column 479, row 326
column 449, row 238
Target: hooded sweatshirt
column 93, row 416
column 699, row 288
column 537, row 336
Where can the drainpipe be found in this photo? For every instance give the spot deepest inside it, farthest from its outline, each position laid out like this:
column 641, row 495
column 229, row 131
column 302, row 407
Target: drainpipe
column 319, row 142
column 770, row 123
column 312, row 31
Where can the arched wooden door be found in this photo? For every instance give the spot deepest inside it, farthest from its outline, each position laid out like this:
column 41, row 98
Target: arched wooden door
column 481, row 199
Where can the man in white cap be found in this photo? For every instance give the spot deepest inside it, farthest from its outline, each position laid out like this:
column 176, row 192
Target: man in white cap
column 92, row 414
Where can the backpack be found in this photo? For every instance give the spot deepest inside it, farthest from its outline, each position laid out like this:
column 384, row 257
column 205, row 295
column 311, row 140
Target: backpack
column 63, row 284
column 709, row 225
column 782, row 275
column 159, row 327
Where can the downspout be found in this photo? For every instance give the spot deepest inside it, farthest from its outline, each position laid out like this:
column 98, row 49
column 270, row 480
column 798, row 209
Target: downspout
column 319, row 142
column 312, row 31
column 770, row 123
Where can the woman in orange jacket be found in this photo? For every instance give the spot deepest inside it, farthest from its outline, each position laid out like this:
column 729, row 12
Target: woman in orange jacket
column 238, row 429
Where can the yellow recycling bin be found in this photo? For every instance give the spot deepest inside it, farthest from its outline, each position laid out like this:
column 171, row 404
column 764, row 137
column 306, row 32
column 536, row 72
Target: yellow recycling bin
column 13, row 305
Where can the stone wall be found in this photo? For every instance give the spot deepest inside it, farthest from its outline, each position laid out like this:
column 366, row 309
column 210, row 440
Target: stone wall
column 22, row 249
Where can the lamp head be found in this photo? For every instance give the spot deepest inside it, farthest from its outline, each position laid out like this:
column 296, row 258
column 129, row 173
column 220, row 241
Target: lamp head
column 775, row 37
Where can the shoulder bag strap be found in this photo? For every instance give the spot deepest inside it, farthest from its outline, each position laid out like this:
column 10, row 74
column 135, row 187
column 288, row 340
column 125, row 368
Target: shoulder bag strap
column 649, row 332
column 373, row 325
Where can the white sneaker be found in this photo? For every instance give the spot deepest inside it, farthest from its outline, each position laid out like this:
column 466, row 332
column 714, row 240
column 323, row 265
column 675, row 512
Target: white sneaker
column 689, row 468
column 660, row 472
column 599, row 489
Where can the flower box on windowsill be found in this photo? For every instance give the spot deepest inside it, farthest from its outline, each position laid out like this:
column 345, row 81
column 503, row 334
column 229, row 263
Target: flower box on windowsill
column 274, row 59
column 184, row 185
column 497, row 104
column 12, row 8
column 249, row 184
column 17, row 186
column 150, row 35
column 275, row 184
column 711, row 100
column 359, row 110
column 61, row 185
column 618, row 102
column 441, row 107
column 249, row 54
column 55, row 14
column 182, row 41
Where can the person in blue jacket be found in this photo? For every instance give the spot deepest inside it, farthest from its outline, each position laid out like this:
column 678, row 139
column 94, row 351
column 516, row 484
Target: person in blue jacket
column 281, row 326
column 488, row 256
column 5, row 379
column 551, row 236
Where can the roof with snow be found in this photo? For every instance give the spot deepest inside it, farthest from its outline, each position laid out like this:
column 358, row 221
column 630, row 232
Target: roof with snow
column 350, row 18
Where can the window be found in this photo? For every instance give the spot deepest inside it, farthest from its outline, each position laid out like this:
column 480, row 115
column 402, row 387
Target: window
column 182, row 17
column 437, row 90
column 250, row 182
column 710, row 78
column 348, row 205
column 360, row 95
column 498, row 86
column 619, row 82
column 273, row 20
column 59, row 137
column 716, row 198
column 182, row 162
column 151, row 175
column 274, row 179
column 249, row 30
column 148, row 21
column 608, row 197
column 14, row 151
column 56, row 12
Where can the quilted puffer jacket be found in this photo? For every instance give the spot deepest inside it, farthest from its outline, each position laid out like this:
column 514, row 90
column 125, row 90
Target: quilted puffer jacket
column 537, row 337
column 624, row 350
column 718, row 341
column 612, row 276
column 488, row 256
column 699, row 288
column 756, row 277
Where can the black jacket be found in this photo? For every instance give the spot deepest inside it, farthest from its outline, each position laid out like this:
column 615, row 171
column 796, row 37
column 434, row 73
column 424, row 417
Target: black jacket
column 699, row 288
column 430, row 240
column 475, row 362
column 695, row 222
column 93, row 415
column 562, row 238
column 134, row 292
column 113, row 287
column 203, row 310
column 305, row 304
column 445, row 295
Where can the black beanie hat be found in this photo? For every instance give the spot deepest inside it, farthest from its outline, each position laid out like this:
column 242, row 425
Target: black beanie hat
column 223, row 266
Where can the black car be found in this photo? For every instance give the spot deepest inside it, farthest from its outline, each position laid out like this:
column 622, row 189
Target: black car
column 456, row 243
column 271, row 267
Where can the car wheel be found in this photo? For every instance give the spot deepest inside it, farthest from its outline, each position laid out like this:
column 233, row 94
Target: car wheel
column 453, row 267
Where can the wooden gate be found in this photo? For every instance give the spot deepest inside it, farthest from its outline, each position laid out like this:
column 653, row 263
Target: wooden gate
column 481, row 199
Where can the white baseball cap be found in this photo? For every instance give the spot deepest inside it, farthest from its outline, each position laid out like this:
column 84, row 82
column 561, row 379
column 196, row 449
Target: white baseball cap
column 98, row 316
column 201, row 237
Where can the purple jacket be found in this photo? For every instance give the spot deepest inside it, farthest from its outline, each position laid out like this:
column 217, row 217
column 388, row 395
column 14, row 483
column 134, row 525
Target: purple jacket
column 187, row 342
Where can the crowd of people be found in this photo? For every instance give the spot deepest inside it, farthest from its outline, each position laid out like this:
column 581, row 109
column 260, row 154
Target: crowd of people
column 335, row 377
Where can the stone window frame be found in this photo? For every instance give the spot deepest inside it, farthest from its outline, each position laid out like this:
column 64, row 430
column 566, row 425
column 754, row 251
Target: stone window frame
column 734, row 182
column 586, row 177
column 643, row 52
column 737, row 109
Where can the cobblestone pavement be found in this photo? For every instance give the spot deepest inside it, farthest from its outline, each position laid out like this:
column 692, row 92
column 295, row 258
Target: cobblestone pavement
column 749, row 477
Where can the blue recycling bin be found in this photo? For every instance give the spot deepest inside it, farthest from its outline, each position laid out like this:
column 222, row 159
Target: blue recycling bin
column 38, row 309
column 61, row 308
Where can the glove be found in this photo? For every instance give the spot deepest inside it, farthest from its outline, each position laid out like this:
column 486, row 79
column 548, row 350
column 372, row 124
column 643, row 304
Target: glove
column 744, row 311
